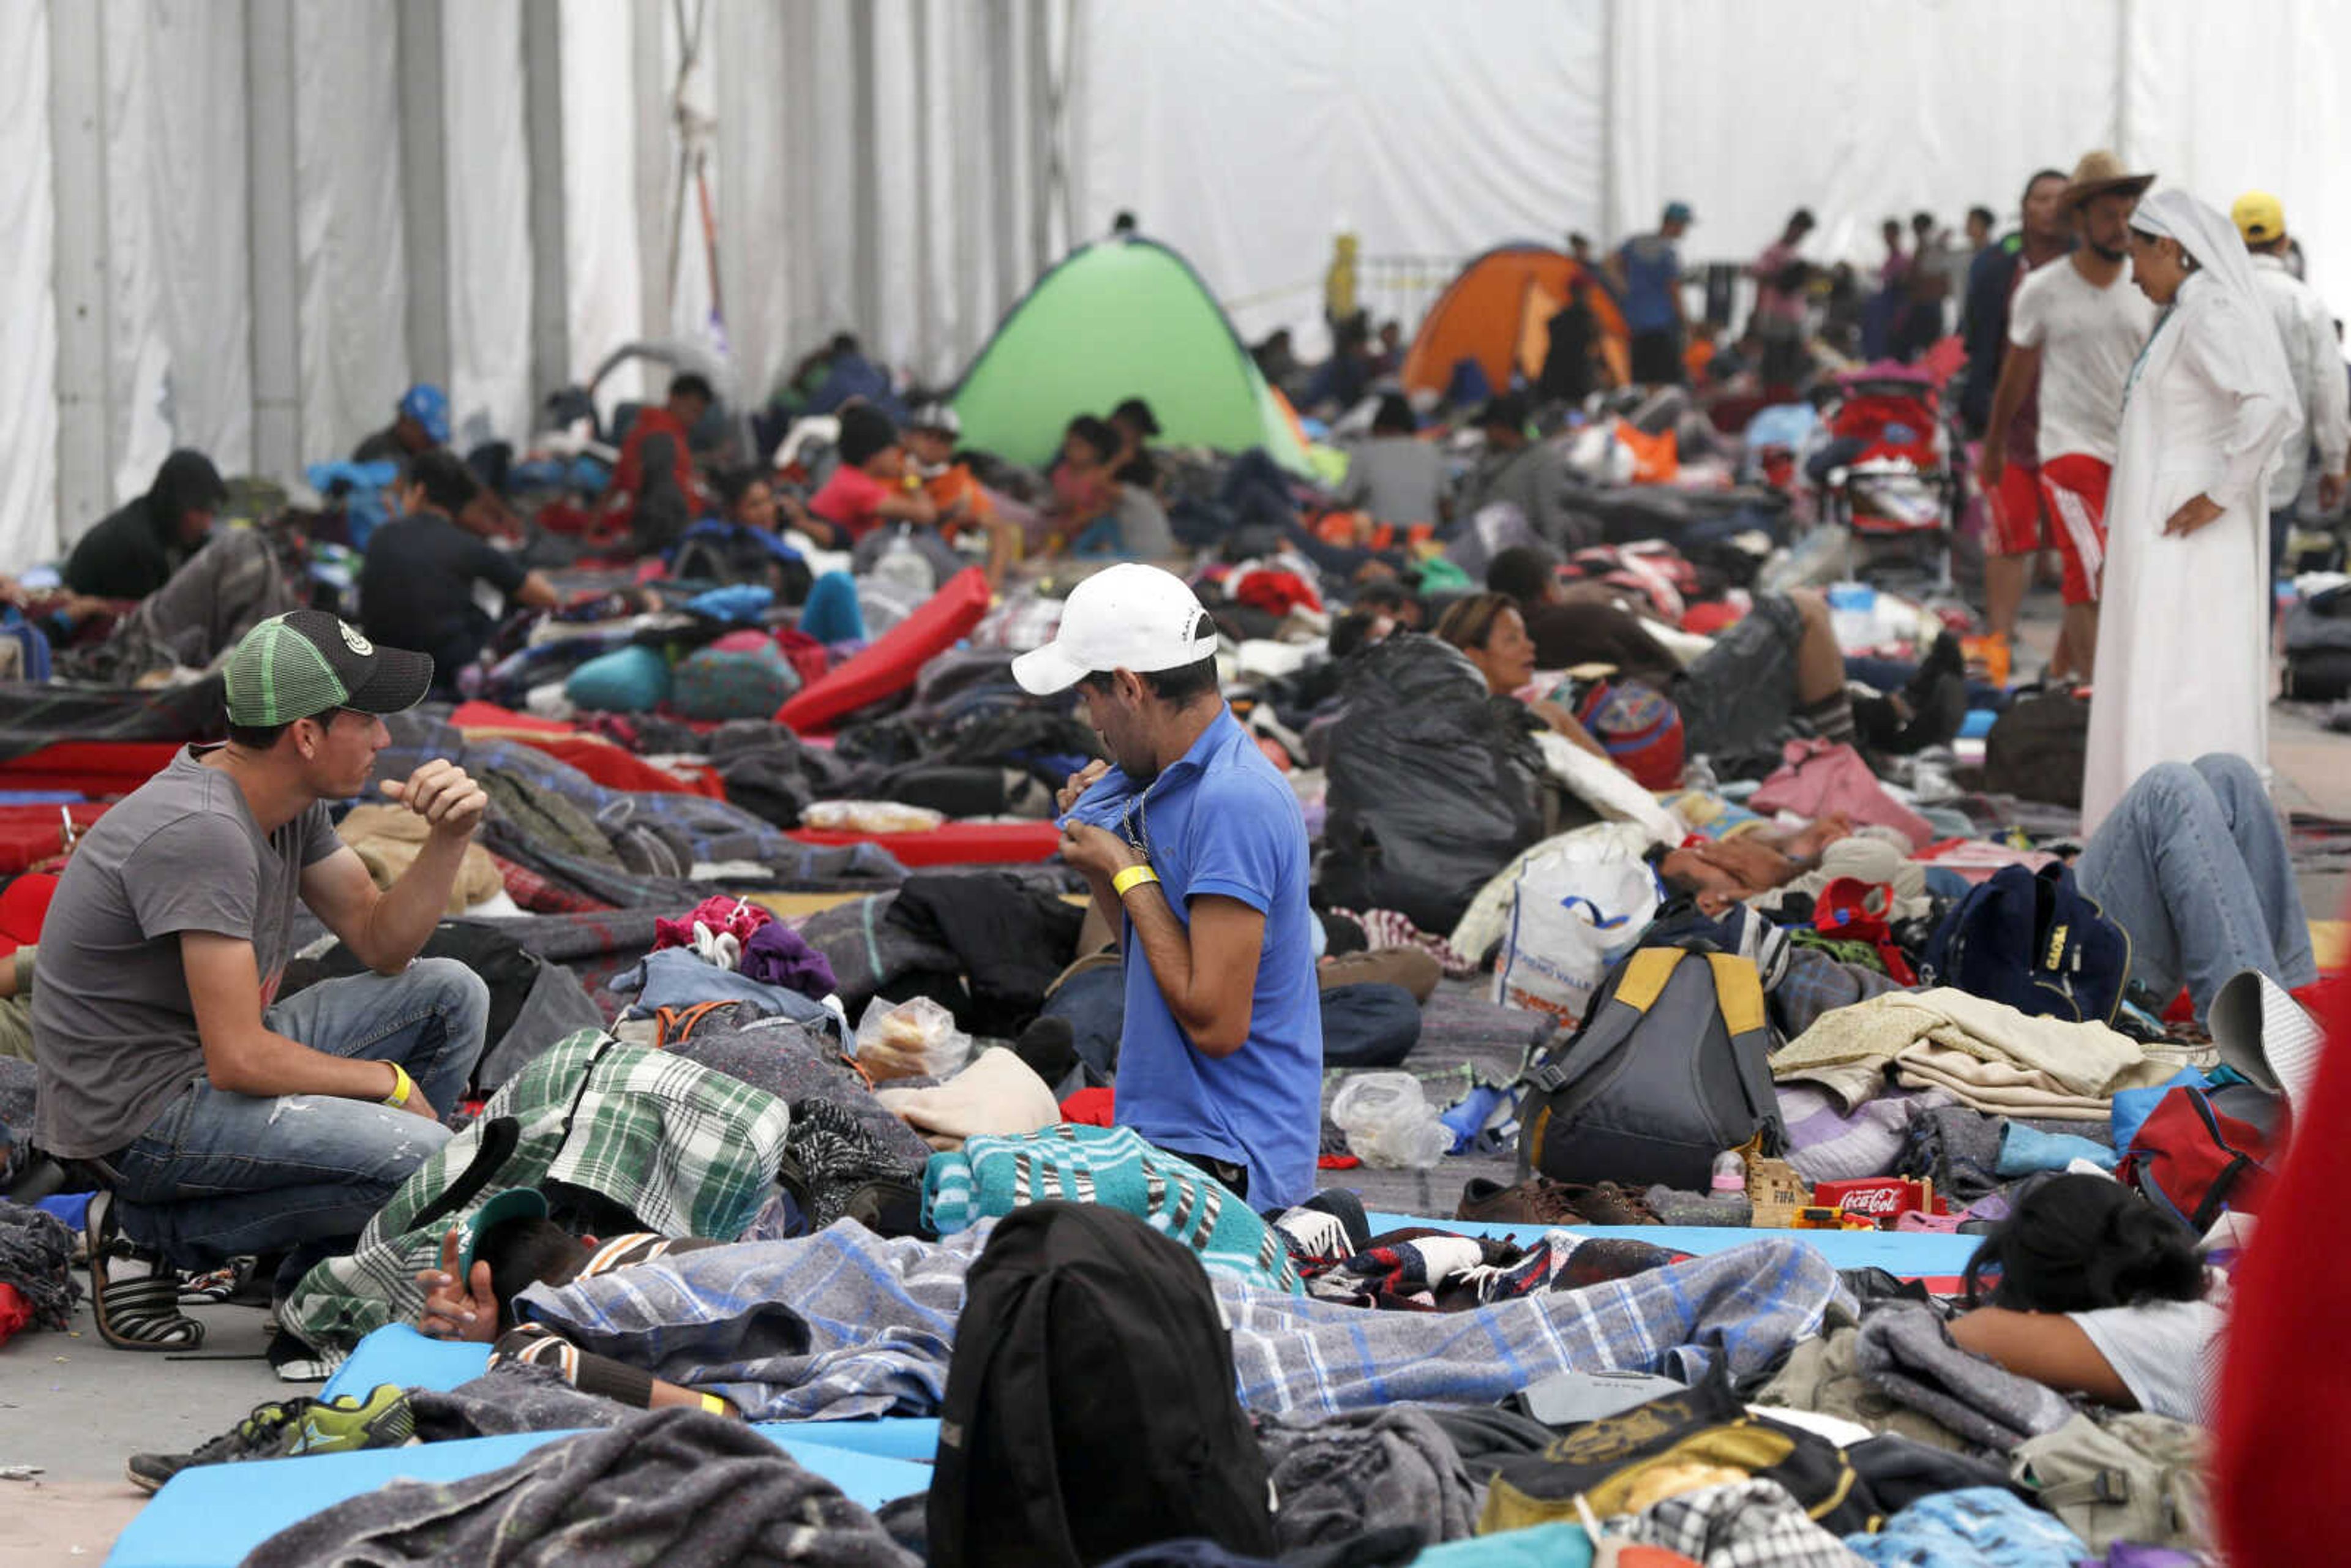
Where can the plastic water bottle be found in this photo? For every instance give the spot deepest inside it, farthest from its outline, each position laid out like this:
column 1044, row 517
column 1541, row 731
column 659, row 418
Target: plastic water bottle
column 1853, row 612
column 1729, row 1172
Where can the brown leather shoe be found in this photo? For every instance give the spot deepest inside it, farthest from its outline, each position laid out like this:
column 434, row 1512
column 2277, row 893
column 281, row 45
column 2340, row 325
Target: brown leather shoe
column 1605, row 1203
column 1538, row 1201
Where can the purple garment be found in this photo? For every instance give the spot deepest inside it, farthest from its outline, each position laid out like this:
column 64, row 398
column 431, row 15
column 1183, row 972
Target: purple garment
column 776, row 956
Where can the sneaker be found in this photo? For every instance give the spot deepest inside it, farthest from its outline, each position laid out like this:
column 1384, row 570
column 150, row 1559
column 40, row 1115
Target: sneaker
column 1537, row 1201
column 348, row 1423
column 257, row 1437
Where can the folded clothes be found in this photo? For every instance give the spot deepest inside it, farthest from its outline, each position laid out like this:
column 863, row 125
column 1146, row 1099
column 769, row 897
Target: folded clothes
column 998, row 1094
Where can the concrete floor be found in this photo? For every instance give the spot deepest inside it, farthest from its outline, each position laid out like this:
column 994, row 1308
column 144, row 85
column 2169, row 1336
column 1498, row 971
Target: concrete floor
column 78, row 1407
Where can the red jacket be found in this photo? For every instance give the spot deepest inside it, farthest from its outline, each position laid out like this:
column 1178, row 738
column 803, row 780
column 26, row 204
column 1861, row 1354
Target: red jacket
column 2281, row 1476
column 630, row 476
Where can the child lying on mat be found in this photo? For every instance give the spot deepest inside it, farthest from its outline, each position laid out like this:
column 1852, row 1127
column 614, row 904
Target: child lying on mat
column 2089, row 1289
column 510, row 1245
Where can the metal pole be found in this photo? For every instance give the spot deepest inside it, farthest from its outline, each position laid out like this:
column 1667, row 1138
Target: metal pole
column 77, row 150
column 274, row 260
column 424, row 190
column 550, row 261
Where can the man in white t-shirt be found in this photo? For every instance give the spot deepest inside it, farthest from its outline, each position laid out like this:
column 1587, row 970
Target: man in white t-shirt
column 2079, row 324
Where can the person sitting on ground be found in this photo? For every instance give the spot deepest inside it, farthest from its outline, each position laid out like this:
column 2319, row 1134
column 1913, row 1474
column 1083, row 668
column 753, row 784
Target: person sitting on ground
column 510, row 1244
column 1206, row 877
column 1577, row 623
column 1136, row 426
column 2089, row 1289
column 836, row 375
column 870, row 485
column 1489, row 628
column 420, row 425
column 1098, row 514
column 2191, row 863
column 165, row 1057
column 419, row 583
column 1780, row 661
column 654, row 483
column 745, row 546
column 963, row 502
column 1526, row 474
column 1395, row 476
column 138, row 547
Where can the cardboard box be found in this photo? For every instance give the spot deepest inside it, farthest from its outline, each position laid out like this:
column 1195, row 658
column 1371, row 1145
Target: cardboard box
column 1778, row 1193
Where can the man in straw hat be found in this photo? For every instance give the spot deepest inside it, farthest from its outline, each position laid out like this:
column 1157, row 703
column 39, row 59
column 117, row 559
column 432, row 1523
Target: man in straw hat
column 2074, row 329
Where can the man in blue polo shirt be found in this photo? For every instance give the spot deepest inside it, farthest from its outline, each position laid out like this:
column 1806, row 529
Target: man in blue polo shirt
column 1197, row 853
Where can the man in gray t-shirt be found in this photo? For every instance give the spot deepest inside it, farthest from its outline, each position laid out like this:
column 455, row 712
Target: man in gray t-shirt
column 226, row 1121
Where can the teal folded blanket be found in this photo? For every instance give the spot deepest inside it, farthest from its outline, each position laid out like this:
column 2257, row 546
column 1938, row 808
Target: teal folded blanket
column 989, row 1177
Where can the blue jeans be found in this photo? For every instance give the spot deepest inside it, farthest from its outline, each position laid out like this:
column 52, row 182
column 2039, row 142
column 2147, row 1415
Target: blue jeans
column 2192, row 862
column 216, row 1175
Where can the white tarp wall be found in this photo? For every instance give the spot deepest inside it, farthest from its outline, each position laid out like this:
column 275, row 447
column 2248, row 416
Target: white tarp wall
column 246, row 227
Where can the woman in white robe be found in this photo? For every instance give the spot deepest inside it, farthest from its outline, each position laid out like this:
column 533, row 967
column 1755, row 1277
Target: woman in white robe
column 2183, row 634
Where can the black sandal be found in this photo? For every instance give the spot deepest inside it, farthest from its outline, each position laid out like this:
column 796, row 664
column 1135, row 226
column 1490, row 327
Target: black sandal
column 133, row 1314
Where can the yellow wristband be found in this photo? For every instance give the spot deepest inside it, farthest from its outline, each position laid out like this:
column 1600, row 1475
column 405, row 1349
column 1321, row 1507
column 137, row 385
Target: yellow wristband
column 403, row 1086
column 714, row 1405
column 1130, row 878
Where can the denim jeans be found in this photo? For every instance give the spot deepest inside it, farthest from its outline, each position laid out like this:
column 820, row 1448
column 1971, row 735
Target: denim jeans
column 2192, row 862
column 1368, row 1025
column 217, row 1175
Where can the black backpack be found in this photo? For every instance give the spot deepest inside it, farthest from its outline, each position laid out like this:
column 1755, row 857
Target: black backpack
column 2037, row 749
column 1089, row 1406
column 2035, row 941
column 1672, row 1066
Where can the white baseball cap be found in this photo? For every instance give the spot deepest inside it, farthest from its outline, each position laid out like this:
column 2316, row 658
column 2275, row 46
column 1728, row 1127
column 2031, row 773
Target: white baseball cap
column 1127, row 617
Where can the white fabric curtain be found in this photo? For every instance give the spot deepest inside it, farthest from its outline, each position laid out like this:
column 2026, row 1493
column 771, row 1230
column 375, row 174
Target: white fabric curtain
column 1873, row 109
column 28, row 322
column 606, row 285
column 488, row 181
column 178, row 264
column 348, row 223
column 2251, row 97
column 1247, row 133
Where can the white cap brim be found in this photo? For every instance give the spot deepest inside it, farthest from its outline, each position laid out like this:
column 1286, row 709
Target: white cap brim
column 2262, row 1033
column 1047, row 670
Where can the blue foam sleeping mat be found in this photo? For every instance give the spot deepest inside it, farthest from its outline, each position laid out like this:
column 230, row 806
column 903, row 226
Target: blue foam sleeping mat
column 212, row 1517
column 1906, row 1254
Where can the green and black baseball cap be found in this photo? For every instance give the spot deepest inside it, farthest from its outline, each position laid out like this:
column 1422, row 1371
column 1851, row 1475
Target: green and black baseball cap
column 515, row 1203
column 306, row 662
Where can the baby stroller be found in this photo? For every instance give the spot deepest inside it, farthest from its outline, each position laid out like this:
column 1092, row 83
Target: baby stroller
column 1892, row 481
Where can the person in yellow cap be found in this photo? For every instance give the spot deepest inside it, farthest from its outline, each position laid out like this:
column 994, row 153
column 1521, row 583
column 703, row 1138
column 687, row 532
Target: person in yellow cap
column 2306, row 331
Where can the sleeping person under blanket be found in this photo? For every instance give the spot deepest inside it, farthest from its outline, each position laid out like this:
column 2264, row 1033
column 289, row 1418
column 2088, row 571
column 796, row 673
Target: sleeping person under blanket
column 510, row 1245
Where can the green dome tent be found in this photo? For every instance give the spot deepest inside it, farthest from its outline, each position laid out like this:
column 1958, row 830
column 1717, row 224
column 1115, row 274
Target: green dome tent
column 1120, row 318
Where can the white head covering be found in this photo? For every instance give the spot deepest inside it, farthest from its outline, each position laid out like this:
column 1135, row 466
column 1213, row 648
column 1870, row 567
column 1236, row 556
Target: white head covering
column 2221, row 257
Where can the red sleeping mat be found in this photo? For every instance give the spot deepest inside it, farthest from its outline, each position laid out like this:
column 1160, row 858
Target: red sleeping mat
column 30, row 834
column 90, row 766
column 891, row 663
column 954, row 843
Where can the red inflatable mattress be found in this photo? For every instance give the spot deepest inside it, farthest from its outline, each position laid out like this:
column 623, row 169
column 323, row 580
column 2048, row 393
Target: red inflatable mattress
column 893, row 659
column 956, row 843
column 90, row 766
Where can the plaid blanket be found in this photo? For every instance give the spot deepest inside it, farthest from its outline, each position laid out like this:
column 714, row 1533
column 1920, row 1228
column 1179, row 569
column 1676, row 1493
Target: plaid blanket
column 844, row 1323
column 686, row 1151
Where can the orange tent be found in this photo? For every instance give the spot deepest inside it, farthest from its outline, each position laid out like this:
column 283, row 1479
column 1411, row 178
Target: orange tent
column 1497, row 312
